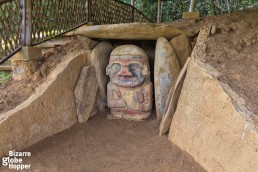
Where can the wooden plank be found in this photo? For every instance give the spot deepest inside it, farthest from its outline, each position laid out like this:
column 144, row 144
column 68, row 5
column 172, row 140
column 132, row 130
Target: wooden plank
column 26, row 28
column 5, row 68
column 159, row 11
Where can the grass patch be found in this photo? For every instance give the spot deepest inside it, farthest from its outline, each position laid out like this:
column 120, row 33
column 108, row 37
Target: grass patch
column 4, row 77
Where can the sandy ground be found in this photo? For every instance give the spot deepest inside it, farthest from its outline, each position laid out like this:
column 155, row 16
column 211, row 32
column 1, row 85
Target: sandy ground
column 110, row 145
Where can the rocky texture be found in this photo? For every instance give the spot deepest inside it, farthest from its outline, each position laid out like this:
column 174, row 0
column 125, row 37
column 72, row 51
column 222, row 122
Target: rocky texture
column 25, row 63
column 172, row 100
column 214, row 29
column 166, row 70
column 99, row 59
column 130, row 31
column 212, row 123
column 23, row 69
column 87, row 43
column 55, row 42
column 85, row 93
column 203, row 34
column 182, row 48
column 50, row 110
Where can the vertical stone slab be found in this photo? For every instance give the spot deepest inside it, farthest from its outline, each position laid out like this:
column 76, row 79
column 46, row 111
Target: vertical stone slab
column 87, row 43
column 171, row 104
column 85, row 93
column 99, row 59
column 51, row 109
column 182, row 48
column 210, row 127
column 166, row 70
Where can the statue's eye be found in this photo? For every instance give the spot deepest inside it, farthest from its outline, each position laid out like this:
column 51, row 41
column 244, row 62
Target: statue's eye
column 116, row 67
column 135, row 66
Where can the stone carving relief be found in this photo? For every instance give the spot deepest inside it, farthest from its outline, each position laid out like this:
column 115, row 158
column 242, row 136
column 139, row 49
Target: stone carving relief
column 129, row 92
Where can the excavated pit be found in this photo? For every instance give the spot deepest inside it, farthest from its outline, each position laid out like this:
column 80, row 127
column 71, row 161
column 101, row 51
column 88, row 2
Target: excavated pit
column 100, row 144
column 108, row 145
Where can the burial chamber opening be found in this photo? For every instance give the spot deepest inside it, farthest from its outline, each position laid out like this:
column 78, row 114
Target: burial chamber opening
column 130, row 89
column 119, row 144
column 129, row 85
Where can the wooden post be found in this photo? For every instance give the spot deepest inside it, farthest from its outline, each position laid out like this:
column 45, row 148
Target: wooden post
column 159, row 10
column 133, row 11
column 87, row 10
column 89, row 4
column 132, row 2
column 212, row 7
column 26, row 25
column 192, row 5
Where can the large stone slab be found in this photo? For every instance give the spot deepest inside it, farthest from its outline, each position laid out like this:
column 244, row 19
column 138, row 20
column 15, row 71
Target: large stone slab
column 172, row 100
column 203, row 34
column 87, row 43
column 182, row 48
column 130, row 31
column 51, row 109
column 99, row 59
column 166, row 70
column 85, row 93
column 212, row 123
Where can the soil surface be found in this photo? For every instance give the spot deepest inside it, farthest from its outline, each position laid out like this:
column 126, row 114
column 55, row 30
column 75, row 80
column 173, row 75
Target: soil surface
column 15, row 92
column 233, row 51
column 110, row 145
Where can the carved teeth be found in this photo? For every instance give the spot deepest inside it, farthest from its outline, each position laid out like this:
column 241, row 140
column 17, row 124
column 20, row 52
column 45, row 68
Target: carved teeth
column 126, row 82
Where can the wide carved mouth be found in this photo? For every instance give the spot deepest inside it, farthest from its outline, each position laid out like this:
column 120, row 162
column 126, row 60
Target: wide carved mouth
column 127, row 81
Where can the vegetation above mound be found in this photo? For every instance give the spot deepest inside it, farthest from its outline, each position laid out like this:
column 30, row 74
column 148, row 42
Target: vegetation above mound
column 172, row 10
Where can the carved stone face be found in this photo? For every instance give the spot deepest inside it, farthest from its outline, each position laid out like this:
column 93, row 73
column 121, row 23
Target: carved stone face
column 129, row 92
column 128, row 66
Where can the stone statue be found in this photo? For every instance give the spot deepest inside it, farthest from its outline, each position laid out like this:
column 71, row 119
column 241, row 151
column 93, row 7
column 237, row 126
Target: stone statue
column 129, row 92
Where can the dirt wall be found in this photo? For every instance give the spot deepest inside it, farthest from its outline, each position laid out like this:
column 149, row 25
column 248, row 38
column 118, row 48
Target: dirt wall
column 50, row 110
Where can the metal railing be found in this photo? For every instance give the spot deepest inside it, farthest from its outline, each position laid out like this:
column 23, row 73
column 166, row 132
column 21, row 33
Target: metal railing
column 53, row 17
column 30, row 22
column 10, row 22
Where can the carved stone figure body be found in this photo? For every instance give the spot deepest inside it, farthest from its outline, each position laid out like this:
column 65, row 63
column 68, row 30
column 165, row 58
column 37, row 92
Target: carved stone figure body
column 129, row 92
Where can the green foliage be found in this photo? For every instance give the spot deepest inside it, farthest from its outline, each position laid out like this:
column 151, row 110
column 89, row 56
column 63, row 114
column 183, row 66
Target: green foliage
column 4, row 77
column 173, row 9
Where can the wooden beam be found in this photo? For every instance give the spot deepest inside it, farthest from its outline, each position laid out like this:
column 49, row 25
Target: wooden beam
column 132, row 2
column 213, row 7
column 192, row 5
column 159, row 11
column 5, row 68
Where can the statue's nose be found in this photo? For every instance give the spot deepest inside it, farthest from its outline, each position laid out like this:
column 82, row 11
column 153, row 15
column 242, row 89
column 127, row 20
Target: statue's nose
column 125, row 71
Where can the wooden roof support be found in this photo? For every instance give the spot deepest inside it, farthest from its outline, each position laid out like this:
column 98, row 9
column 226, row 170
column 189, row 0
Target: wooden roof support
column 132, row 2
column 159, row 11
